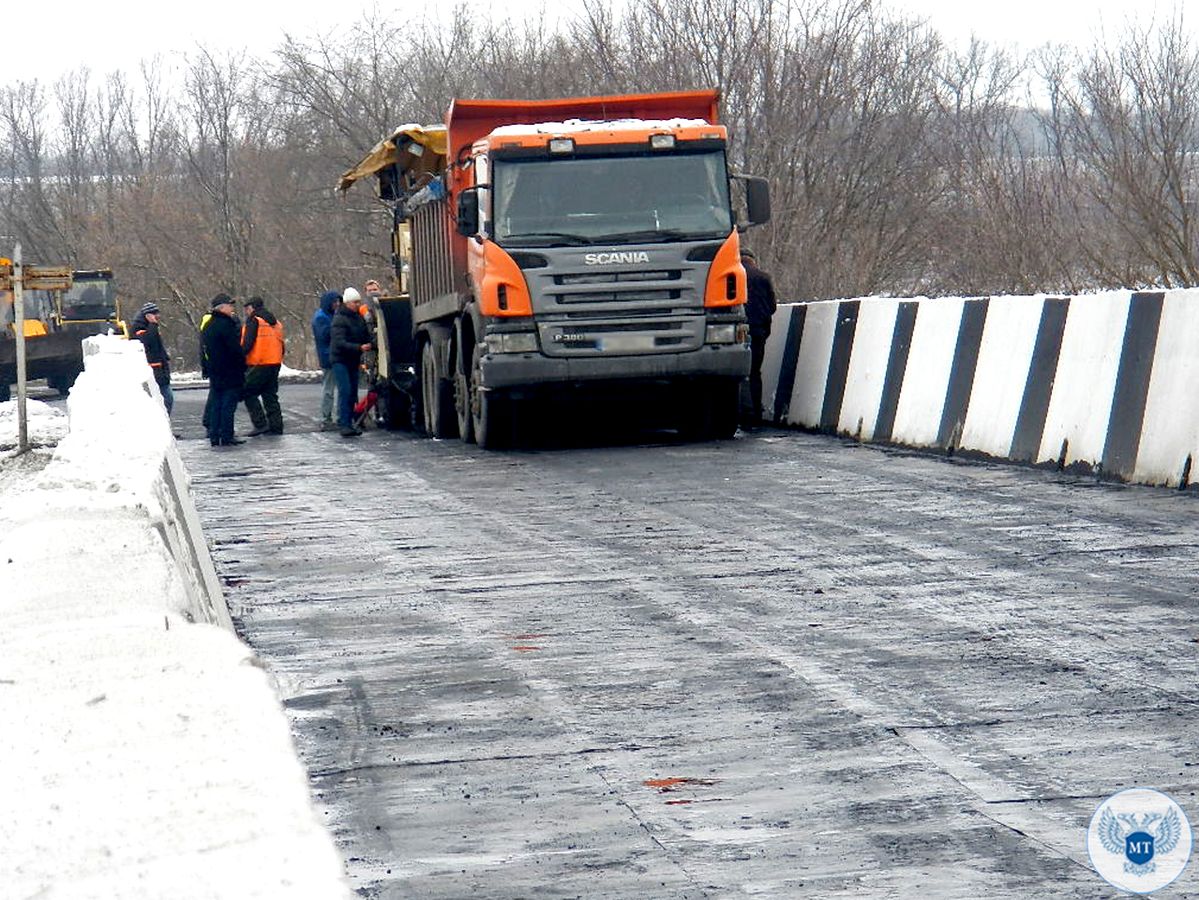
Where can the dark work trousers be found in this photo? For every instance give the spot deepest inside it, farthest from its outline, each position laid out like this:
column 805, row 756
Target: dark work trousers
column 223, row 402
column 263, row 381
column 757, row 349
column 347, row 393
column 168, row 396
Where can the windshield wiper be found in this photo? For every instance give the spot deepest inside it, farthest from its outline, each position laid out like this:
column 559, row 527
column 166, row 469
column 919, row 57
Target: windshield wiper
column 559, row 238
column 653, row 236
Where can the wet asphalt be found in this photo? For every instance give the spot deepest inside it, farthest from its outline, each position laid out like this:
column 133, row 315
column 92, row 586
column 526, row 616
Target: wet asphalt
column 780, row 666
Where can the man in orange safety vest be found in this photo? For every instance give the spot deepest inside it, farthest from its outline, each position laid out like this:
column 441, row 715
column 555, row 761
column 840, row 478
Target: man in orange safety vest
column 262, row 343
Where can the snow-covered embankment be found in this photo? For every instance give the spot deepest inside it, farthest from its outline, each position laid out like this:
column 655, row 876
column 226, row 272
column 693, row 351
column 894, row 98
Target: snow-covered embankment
column 145, row 753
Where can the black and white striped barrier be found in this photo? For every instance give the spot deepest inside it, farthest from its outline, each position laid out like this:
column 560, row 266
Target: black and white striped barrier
column 1102, row 383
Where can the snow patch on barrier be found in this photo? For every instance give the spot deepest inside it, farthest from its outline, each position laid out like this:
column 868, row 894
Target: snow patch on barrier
column 145, row 756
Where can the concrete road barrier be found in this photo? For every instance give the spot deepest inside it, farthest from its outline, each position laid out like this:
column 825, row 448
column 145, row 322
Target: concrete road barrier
column 1099, row 383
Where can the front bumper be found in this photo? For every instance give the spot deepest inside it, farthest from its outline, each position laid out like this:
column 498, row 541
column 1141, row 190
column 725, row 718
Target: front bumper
column 515, row 370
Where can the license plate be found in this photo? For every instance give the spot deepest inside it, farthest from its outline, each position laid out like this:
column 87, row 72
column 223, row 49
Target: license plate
column 626, row 343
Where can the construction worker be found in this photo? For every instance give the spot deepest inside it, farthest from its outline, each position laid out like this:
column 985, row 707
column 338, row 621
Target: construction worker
column 262, row 344
column 350, row 337
column 760, row 306
column 226, row 370
column 322, row 323
column 144, row 328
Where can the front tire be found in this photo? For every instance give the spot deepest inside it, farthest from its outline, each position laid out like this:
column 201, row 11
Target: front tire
column 490, row 411
column 62, row 383
column 725, row 411
column 711, row 411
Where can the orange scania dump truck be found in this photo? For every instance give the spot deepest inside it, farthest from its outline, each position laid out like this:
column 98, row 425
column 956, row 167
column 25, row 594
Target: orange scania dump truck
column 555, row 245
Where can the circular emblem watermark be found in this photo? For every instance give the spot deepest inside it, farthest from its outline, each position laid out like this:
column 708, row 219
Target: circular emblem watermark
column 1139, row 840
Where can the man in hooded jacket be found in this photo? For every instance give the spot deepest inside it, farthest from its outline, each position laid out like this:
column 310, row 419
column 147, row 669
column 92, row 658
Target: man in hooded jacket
column 262, row 343
column 145, row 329
column 322, row 322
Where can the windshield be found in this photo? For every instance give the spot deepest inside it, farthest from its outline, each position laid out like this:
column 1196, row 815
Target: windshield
column 91, row 299
column 610, row 199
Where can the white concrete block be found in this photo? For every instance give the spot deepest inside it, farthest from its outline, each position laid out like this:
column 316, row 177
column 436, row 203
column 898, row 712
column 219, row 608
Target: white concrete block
column 1080, row 405
column 868, row 367
column 1171, row 425
column 1004, row 356
column 772, row 359
column 926, row 380
column 811, row 371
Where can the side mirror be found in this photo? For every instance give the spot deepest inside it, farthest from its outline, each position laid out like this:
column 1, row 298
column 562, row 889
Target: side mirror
column 757, row 199
column 467, row 222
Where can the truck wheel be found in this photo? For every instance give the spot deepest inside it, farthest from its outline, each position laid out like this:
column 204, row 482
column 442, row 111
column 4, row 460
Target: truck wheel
column 724, row 410
column 491, row 411
column 61, row 383
column 393, row 410
column 462, row 407
column 438, row 398
column 711, row 411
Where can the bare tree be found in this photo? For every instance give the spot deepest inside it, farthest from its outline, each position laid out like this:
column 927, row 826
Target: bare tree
column 1126, row 133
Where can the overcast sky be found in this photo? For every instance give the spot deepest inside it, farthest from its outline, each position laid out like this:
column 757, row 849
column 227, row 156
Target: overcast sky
column 115, row 35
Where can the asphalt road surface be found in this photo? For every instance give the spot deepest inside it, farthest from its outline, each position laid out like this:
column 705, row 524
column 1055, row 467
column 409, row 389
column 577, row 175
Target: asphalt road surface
column 779, row 666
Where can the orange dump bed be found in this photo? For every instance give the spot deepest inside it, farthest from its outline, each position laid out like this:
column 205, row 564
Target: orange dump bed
column 469, row 120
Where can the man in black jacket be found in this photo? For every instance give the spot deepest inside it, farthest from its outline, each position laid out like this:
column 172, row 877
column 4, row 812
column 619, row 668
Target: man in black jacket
column 760, row 305
column 226, row 370
column 349, row 338
column 145, row 329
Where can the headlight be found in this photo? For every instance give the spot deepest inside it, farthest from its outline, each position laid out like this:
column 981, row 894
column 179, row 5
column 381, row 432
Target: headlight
column 721, row 334
column 514, row 342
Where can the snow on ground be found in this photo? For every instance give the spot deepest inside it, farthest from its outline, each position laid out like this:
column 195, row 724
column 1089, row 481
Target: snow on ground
column 145, row 756
column 286, row 374
column 46, row 426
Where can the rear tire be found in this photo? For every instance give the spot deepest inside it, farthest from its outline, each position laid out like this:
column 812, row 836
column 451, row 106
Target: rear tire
column 437, row 398
column 393, row 409
column 462, row 406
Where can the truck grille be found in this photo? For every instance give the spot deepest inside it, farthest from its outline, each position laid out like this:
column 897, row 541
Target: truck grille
column 657, row 287
column 616, row 277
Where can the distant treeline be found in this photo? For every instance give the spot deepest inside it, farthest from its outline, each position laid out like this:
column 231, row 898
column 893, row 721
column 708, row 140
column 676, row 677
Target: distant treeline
column 898, row 164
